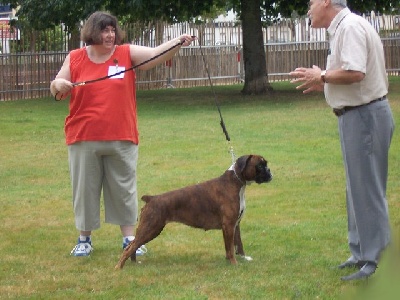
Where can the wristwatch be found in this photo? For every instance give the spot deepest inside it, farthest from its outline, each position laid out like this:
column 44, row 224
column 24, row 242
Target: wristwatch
column 323, row 74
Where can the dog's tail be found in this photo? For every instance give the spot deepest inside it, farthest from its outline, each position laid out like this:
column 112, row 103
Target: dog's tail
column 146, row 198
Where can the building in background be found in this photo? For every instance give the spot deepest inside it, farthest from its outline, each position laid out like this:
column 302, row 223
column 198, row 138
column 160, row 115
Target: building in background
column 7, row 33
column 6, row 11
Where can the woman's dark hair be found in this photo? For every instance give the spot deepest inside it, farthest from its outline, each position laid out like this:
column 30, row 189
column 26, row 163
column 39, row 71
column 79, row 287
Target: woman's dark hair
column 91, row 30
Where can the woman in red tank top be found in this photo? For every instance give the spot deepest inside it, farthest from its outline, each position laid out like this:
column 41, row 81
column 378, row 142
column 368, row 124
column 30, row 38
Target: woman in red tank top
column 101, row 127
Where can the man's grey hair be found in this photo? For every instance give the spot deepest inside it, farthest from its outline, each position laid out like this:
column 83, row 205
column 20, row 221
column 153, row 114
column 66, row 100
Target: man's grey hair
column 341, row 3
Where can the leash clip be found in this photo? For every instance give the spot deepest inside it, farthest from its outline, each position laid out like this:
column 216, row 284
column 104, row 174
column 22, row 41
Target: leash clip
column 232, row 153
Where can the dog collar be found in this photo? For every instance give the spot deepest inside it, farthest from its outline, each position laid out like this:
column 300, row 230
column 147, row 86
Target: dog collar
column 232, row 168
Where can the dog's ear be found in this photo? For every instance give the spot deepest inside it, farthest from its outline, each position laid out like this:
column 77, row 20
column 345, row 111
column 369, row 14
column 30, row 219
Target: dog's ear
column 242, row 162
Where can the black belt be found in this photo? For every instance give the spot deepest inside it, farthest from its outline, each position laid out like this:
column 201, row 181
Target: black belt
column 340, row 111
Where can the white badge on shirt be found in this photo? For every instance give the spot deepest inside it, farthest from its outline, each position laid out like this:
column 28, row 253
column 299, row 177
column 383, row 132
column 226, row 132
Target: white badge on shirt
column 114, row 70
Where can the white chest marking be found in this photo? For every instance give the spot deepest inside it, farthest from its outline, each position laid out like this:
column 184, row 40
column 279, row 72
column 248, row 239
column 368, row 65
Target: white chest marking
column 242, row 202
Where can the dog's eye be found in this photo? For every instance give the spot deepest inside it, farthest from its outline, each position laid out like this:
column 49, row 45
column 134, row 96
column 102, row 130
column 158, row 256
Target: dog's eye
column 260, row 166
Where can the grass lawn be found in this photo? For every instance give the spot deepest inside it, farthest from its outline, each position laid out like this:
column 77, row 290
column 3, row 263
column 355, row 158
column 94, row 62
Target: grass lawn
column 294, row 227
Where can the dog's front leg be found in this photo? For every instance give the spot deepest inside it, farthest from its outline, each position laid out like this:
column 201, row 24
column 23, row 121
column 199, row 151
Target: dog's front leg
column 228, row 233
column 239, row 244
column 238, row 241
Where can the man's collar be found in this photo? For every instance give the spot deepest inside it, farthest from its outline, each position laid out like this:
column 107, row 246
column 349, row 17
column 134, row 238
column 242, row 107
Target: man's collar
column 337, row 20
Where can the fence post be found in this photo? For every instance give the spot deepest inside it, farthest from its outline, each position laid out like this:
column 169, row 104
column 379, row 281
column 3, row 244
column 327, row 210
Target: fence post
column 168, row 64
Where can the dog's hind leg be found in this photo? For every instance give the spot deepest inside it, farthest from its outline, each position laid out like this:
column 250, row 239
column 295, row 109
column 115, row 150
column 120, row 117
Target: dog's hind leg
column 131, row 248
column 144, row 235
column 150, row 226
column 147, row 230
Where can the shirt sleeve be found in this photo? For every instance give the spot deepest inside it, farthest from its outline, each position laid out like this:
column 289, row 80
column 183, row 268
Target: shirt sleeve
column 354, row 51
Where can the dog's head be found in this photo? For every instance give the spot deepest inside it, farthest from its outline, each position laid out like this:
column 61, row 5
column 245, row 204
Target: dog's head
column 253, row 168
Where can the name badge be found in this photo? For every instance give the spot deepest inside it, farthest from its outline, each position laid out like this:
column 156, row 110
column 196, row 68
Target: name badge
column 112, row 70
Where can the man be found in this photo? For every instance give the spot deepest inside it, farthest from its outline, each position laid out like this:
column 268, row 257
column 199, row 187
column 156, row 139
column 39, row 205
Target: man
column 355, row 86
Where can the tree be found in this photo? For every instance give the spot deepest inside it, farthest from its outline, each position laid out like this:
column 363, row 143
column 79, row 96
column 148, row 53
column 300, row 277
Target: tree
column 254, row 14
column 256, row 80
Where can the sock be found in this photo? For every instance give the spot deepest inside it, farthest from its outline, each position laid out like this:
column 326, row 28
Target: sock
column 82, row 238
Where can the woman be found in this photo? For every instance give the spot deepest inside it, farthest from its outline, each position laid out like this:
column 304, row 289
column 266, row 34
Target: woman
column 101, row 128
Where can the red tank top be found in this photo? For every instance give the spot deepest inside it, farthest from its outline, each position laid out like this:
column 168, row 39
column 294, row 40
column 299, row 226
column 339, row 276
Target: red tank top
column 104, row 110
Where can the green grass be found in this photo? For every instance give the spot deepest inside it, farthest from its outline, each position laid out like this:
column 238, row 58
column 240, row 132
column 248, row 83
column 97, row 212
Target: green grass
column 294, row 227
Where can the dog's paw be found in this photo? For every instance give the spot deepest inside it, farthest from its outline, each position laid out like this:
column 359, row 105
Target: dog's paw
column 248, row 258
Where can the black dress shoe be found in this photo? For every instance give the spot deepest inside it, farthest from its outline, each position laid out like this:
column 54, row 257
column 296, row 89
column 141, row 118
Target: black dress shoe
column 352, row 264
column 367, row 270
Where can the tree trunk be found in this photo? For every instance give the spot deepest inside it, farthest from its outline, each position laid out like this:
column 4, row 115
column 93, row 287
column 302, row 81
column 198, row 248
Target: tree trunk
column 75, row 41
column 256, row 77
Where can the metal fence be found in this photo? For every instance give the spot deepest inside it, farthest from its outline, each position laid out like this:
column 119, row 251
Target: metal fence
column 28, row 71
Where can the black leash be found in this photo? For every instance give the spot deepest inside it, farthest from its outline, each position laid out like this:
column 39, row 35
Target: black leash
column 222, row 123
column 74, row 84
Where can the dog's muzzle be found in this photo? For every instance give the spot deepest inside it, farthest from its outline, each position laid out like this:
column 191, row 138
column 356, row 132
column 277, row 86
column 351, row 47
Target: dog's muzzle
column 263, row 175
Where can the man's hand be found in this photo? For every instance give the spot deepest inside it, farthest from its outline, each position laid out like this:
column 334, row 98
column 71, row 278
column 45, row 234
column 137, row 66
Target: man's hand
column 310, row 79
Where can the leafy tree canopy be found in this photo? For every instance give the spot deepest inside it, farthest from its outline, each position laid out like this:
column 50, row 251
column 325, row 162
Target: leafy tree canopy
column 44, row 14
column 286, row 8
column 41, row 14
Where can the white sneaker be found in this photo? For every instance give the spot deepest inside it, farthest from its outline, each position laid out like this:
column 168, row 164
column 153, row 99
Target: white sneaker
column 82, row 248
column 142, row 250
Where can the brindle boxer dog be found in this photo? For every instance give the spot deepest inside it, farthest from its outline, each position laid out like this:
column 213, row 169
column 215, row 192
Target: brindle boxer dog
column 215, row 204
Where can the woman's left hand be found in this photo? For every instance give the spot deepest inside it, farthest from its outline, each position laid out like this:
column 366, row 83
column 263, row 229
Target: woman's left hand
column 187, row 39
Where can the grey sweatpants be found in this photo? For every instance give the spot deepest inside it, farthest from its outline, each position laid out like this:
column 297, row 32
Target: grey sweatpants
column 365, row 136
